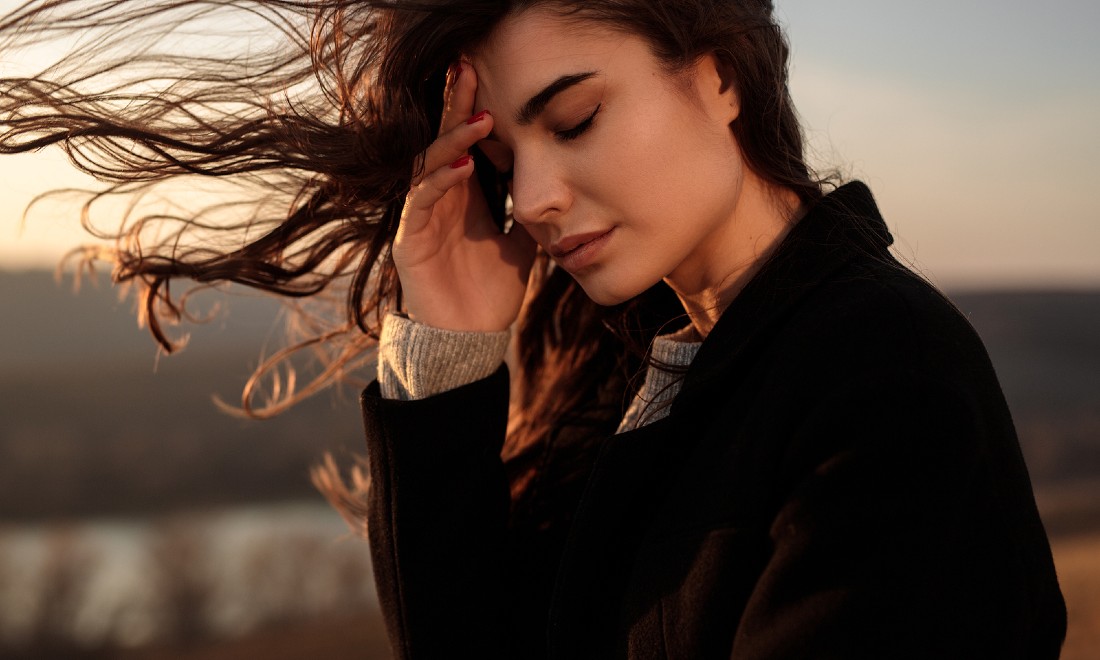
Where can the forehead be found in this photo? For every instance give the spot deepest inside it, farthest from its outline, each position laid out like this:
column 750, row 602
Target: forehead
column 531, row 49
column 540, row 29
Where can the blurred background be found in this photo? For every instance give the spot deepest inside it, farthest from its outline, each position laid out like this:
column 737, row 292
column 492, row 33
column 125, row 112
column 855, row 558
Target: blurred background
column 138, row 521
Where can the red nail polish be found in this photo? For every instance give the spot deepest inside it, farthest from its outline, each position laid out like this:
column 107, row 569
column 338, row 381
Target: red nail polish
column 478, row 117
column 461, row 162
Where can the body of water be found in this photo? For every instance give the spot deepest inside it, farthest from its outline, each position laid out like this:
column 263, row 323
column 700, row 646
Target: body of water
column 200, row 575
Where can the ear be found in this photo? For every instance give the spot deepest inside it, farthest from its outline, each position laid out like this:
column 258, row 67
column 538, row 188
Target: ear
column 716, row 87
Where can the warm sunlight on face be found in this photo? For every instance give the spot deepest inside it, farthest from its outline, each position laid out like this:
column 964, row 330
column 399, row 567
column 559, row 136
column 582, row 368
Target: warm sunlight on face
column 623, row 173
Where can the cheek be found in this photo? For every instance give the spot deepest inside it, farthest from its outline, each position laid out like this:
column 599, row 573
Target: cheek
column 642, row 143
column 679, row 169
column 627, row 165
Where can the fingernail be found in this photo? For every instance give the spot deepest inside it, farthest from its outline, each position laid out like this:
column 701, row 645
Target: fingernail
column 478, row 117
column 461, row 162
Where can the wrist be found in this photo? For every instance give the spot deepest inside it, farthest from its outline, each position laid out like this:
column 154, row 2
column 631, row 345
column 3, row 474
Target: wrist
column 417, row 361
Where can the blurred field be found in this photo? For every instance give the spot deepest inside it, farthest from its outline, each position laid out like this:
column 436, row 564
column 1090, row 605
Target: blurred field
column 1078, row 562
column 94, row 423
column 356, row 636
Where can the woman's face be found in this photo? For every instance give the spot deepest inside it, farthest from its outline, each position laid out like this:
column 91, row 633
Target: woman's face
column 623, row 173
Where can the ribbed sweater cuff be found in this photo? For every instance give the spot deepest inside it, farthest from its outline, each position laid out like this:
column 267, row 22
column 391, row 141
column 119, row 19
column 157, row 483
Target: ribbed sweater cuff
column 416, row 361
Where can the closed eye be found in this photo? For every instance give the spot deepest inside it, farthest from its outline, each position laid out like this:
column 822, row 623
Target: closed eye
column 578, row 130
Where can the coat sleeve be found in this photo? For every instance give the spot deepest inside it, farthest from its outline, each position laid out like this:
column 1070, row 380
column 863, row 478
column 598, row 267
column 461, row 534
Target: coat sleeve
column 437, row 518
column 908, row 529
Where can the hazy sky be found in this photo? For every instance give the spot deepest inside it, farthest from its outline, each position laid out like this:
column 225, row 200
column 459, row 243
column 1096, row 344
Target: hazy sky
column 976, row 125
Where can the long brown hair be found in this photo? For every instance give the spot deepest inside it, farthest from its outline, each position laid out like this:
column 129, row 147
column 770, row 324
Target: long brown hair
column 313, row 133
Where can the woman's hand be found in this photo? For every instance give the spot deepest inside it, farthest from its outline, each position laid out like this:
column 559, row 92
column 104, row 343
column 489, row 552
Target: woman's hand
column 457, row 270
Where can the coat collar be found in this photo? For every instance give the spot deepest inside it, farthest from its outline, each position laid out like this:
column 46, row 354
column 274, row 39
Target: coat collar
column 844, row 224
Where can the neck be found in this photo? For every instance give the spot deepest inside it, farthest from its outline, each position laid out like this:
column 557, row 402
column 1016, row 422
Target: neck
column 715, row 274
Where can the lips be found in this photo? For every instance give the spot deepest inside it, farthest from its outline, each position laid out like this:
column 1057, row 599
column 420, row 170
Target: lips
column 578, row 251
column 574, row 242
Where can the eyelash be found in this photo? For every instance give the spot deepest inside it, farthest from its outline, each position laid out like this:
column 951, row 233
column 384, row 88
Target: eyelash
column 579, row 129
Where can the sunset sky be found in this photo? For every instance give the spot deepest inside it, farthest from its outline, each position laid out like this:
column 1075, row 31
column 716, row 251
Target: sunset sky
column 975, row 124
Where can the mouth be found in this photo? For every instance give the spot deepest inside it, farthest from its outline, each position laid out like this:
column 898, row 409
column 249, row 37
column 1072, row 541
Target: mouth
column 575, row 242
column 579, row 250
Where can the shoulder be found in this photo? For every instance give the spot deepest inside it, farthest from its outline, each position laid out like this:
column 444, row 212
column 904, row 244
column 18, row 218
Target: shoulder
column 880, row 317
column 834, row 323
column 871, row 349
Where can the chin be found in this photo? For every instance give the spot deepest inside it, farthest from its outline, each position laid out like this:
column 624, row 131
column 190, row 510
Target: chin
column 605, row 295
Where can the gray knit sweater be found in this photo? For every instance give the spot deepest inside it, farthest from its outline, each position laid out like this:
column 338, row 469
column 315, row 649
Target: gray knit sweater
column 416, row 361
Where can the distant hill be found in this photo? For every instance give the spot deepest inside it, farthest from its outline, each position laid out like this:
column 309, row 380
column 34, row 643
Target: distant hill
column 91, row 422
column 46, row 321
column 1045, row 346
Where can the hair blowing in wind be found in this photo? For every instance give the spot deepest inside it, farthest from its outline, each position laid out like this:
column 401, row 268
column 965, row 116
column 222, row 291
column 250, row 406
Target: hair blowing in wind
column 245, row 138
column 271, row 144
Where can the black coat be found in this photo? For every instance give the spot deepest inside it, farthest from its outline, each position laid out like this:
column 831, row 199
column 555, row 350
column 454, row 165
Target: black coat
column 838, row 478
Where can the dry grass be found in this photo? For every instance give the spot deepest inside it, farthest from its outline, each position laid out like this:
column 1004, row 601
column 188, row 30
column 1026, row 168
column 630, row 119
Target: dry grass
column 358, row 636
column 1077, row 559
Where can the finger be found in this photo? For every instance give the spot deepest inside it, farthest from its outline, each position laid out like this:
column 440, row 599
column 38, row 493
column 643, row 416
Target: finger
column 453, row 144
column 460, row 98
column 423, row 196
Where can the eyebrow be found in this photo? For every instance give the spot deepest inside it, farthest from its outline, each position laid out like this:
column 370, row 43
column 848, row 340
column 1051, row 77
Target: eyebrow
column 537, row 103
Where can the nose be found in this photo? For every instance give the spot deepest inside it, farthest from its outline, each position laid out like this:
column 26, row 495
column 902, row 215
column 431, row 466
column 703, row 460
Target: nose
column 540, row 191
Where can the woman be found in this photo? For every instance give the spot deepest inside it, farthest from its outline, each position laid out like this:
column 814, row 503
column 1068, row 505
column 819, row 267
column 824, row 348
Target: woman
column 812, row 458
